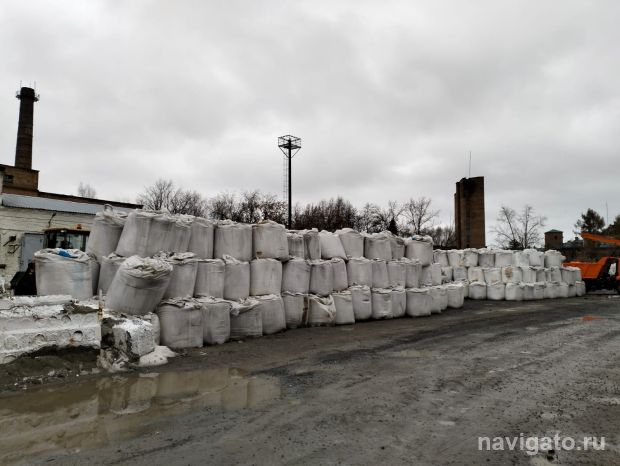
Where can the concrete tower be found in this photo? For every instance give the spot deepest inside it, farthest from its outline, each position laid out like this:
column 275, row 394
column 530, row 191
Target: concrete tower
column 469, row 213
column 23, row 149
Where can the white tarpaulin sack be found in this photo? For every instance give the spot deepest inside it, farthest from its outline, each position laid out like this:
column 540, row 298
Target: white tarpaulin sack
column 265, row 277
column 321, row 278
column 541, row 276
column 553, row 274
column 419, row 302
column 233, row 239
column 514, row 292
column 109, row 266
column 503, row 258
column 465, row 284
column 478, row 290
column 296, row 276
column 269, row 241
column 352, row 242
column 536, row 258
column 421, row 248
column 496, row 291
column 312, row 244
column 341, row 282
column 271, row 309
column 139, row 285
column 202, row 234
column 441, row 257
column 528, row 291
column 486, row 258
column 380, row 278
column 295, row 309
column 553, row 258
column 168, row 233
column 443, row 297
column 435, row 294
column 413, row 271
column 580, row 288
column 562, row 290
column 512, row 274
column 455, row 258
column 343, row 302
column 63, row 271
column 475, row 274
column 528, row 274
column 435, row 274
column 446, row 275
column 381, row 303
column 492, row 275
column 215, row 320
column 236, row 279
column 470, row 257
column 331, row 246
column 397, row 273
column 399, row 302
column 210, row 275
column 362, row 302
column 180, row 323
column 105, row 232
column 572, row 292
column 295, row 245
column 359, row 271
column 551, row 290
column 576, row 273
column 183, row 277
column 377, row 246
column 321, row 311
column 567, row 275
column 539, row 290
column 521, row 259
column 135, row 236
column 246, row 320
column 456, row 295
column 459, row 273
column 426, row 278
column 180, row 234
column 398, row 247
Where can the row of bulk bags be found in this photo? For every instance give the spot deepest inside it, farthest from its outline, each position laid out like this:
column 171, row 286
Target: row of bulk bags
column 65, row 271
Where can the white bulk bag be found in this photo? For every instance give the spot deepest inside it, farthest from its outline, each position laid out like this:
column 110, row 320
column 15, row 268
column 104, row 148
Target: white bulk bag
column 321, row 311
column 202, row 232
column 245, row 319
column 568, row 276
column 553, row 258
column 295, row 245
column 64, row 271
column 541, row 276
column 321, row 277
column 397, row 245
column 537, row 258
column 109, row 266
column 105, row 232
column 381, row 303
column 455, row 258
column 465, row 284
column 180, row 323
column 180, row 234
column 168, row 233
column 139, row 285
column 94, row 273
column 496, row 291
column 210, row 278
column 436, row 304
column 528, row 291
column 362, row 302
column 511, row 274
column 492, row 274
column 580, row 288
column 399, row 302
column 312, row 244
column 456, row 295
column 341, row 281
column 413, row 271
column 269, row 241
column 380, row 277
column 478, row 290
column 272, row 313
column 421, row 248
column 435, row 270
column 562, row 290
column 443, row 297
column 528, row 274
column 553, row 274
column 514, row 292
column 295, row 309
column 377, row 246
column 359, row 271
column 397, row 273
column 215, row 320
column 470, row 257
column 343, row 302
column 296, row 276
column 572, row 292
column 426, row 277
column 419, row 302
column 503, row 258
column 551, row 290
column 135, row 236
column 576, row 274
column 446, row 275
column 331, row 246
column 183, row 276
column 459, row 273
column 441, row 257
column 475, row 274
column 521, row 259
column 236, row 279
column 486, row 258
column 265, row 277
column 539, row 290
column 233, row 239
column 352, row 242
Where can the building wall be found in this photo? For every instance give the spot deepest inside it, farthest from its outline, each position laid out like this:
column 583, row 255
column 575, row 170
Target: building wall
column 554, row 239
column 15, row 221
column 19, row 180
column 469, row 213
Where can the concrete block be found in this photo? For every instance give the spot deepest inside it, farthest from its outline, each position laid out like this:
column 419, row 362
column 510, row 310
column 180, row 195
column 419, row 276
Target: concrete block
column 134, row 337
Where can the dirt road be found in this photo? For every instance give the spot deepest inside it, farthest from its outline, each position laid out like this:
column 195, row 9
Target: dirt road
column 407, row 391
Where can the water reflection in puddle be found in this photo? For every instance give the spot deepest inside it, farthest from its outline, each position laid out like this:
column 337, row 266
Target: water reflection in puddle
column 99, row 412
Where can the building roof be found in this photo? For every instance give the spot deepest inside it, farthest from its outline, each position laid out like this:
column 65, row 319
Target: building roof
column 42, row 203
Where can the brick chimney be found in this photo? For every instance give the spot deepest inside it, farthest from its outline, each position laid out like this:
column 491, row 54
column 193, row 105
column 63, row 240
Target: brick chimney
column 23, row 149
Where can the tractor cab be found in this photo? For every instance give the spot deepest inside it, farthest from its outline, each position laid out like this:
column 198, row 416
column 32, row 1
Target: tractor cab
column 66, row 238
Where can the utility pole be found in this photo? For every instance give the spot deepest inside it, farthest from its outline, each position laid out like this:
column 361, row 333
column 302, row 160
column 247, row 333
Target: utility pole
column 289, row 145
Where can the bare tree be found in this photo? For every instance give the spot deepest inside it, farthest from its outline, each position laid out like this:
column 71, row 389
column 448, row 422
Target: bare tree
column 515, row 230
column 443, row 236
column 420, row 217
column 249, row 207
column 164, row 195
column 86, row 190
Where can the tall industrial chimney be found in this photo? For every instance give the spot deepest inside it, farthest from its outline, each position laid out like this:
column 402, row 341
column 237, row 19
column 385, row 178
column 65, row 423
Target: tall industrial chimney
column 23, row 150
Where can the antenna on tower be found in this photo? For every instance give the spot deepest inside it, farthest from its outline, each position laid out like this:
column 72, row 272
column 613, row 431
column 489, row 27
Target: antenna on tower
column 289, row 145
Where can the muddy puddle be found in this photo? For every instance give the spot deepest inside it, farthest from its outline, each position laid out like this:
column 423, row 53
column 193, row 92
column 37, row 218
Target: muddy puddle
column 92, row 413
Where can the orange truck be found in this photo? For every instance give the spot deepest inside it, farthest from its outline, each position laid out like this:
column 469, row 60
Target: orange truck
column 603, row 274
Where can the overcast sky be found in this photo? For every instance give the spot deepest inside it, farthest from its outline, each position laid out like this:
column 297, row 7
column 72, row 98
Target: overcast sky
column 388, row 97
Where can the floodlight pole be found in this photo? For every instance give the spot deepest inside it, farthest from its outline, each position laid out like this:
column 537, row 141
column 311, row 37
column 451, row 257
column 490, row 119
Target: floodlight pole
column 289, row 145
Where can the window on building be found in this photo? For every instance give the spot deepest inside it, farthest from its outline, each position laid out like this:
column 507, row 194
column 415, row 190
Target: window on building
column 8, row 179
